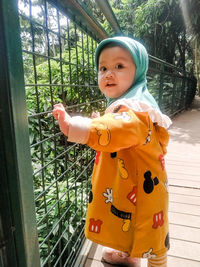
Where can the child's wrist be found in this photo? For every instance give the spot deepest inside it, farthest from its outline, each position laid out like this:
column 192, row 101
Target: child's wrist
column 64, row 126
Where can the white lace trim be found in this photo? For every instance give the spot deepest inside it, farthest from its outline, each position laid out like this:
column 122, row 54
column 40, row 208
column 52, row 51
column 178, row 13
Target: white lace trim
column 154, row 114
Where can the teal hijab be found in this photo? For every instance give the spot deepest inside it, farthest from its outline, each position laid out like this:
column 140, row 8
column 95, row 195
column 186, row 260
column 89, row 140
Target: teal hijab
column 138, row 90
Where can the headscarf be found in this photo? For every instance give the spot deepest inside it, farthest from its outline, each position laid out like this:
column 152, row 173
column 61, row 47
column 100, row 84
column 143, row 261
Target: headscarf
column 138, row 89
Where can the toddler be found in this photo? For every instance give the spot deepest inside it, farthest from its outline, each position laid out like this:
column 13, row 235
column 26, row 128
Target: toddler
column 128, row 205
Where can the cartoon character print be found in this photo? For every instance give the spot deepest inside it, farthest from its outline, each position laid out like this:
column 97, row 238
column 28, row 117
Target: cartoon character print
column 90, row 197
column 149, row 183
column 149, row 254
column 162, row 161
column 108, row 195
column 122, row 170
column 95, row 226
column 132, row 196
column 167, row 244
column 104, row 135
column 122, row 116
column 113, row 155
column 158, row 219
column 126, row 225
column 126, row 216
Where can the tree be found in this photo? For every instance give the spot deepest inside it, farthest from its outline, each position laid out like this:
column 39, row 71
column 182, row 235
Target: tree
column 161, row 25
column 191, row 15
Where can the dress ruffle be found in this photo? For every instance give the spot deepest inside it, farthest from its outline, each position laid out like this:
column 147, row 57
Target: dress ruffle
column 155, row 115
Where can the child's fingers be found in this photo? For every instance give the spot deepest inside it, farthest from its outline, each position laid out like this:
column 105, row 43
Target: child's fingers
column 58, row 112
column 95, row 114
column 59, row 105
column 55, row 114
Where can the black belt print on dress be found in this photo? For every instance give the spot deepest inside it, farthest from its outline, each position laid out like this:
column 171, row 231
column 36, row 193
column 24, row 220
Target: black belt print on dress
column 120, row 214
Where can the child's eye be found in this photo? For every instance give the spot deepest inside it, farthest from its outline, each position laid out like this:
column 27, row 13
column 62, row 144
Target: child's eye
column 102, row 69
column 119, row 66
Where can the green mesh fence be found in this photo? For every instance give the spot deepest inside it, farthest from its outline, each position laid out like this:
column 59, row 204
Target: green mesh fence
column 58, row 61
column 173, row 90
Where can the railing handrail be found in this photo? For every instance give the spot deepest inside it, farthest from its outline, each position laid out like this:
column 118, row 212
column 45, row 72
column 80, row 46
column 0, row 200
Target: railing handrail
column 86, row 20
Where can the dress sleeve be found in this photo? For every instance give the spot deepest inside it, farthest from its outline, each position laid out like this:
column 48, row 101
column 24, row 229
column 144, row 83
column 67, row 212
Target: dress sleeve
column 115, row 131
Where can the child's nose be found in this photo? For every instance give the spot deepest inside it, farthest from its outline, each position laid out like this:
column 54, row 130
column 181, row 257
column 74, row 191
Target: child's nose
column 109, row 73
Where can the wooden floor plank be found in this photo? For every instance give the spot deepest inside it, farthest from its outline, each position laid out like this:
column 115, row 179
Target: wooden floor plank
column 184, row 208
column 182, row 262
column 184, row 219
column 193, row 200
column 184, row 183
column 183, row 176
column 95, row 252
column 184, row 249
column 184, row 191
column 95, row 263
column 184, row 233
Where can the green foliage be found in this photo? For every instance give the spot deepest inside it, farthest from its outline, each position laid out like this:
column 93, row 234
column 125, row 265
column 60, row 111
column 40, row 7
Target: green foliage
column 159, row 25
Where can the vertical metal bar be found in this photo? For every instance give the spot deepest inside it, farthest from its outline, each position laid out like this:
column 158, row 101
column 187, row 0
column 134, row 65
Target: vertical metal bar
column 76, row 147
column 83, row 65
column 77, row 62
column 8, row 250
column 182, row 98
column 88, row 61
column 75, row 175
column 84, row 99
column 42, row 157
column 15, row 137
column 93, row 69
column 173, row 94
column 160, row 99
column 60, row 52
column 61, row 73
column 69, row 51
column 188, row 93
column 67, row 157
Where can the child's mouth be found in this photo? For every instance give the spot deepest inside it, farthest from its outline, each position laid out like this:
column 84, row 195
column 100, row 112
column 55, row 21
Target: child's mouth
column 110, row 85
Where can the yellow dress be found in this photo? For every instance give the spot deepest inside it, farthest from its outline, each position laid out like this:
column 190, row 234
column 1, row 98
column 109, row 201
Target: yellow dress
column 128, row 203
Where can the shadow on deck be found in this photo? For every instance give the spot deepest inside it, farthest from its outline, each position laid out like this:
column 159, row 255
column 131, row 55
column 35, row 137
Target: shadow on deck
column 183, row 167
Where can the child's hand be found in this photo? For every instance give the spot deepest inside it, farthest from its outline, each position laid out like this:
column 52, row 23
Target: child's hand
column 63, row 118
column 95, row 114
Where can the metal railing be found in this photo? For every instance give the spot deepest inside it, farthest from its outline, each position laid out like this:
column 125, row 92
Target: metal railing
column 173, row 89
column 58, row 59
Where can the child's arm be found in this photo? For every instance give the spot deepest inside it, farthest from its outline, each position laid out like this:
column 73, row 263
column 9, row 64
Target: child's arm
column 111, row 132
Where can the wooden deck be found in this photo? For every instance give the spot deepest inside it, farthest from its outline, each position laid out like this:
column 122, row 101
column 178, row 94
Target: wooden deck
column 183, row 167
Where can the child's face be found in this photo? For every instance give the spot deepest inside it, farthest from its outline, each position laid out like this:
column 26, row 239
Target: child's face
column 116, row 71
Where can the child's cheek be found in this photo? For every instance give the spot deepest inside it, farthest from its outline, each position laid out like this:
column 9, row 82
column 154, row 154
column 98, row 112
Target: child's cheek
column 100, row 79
column 100, row 76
